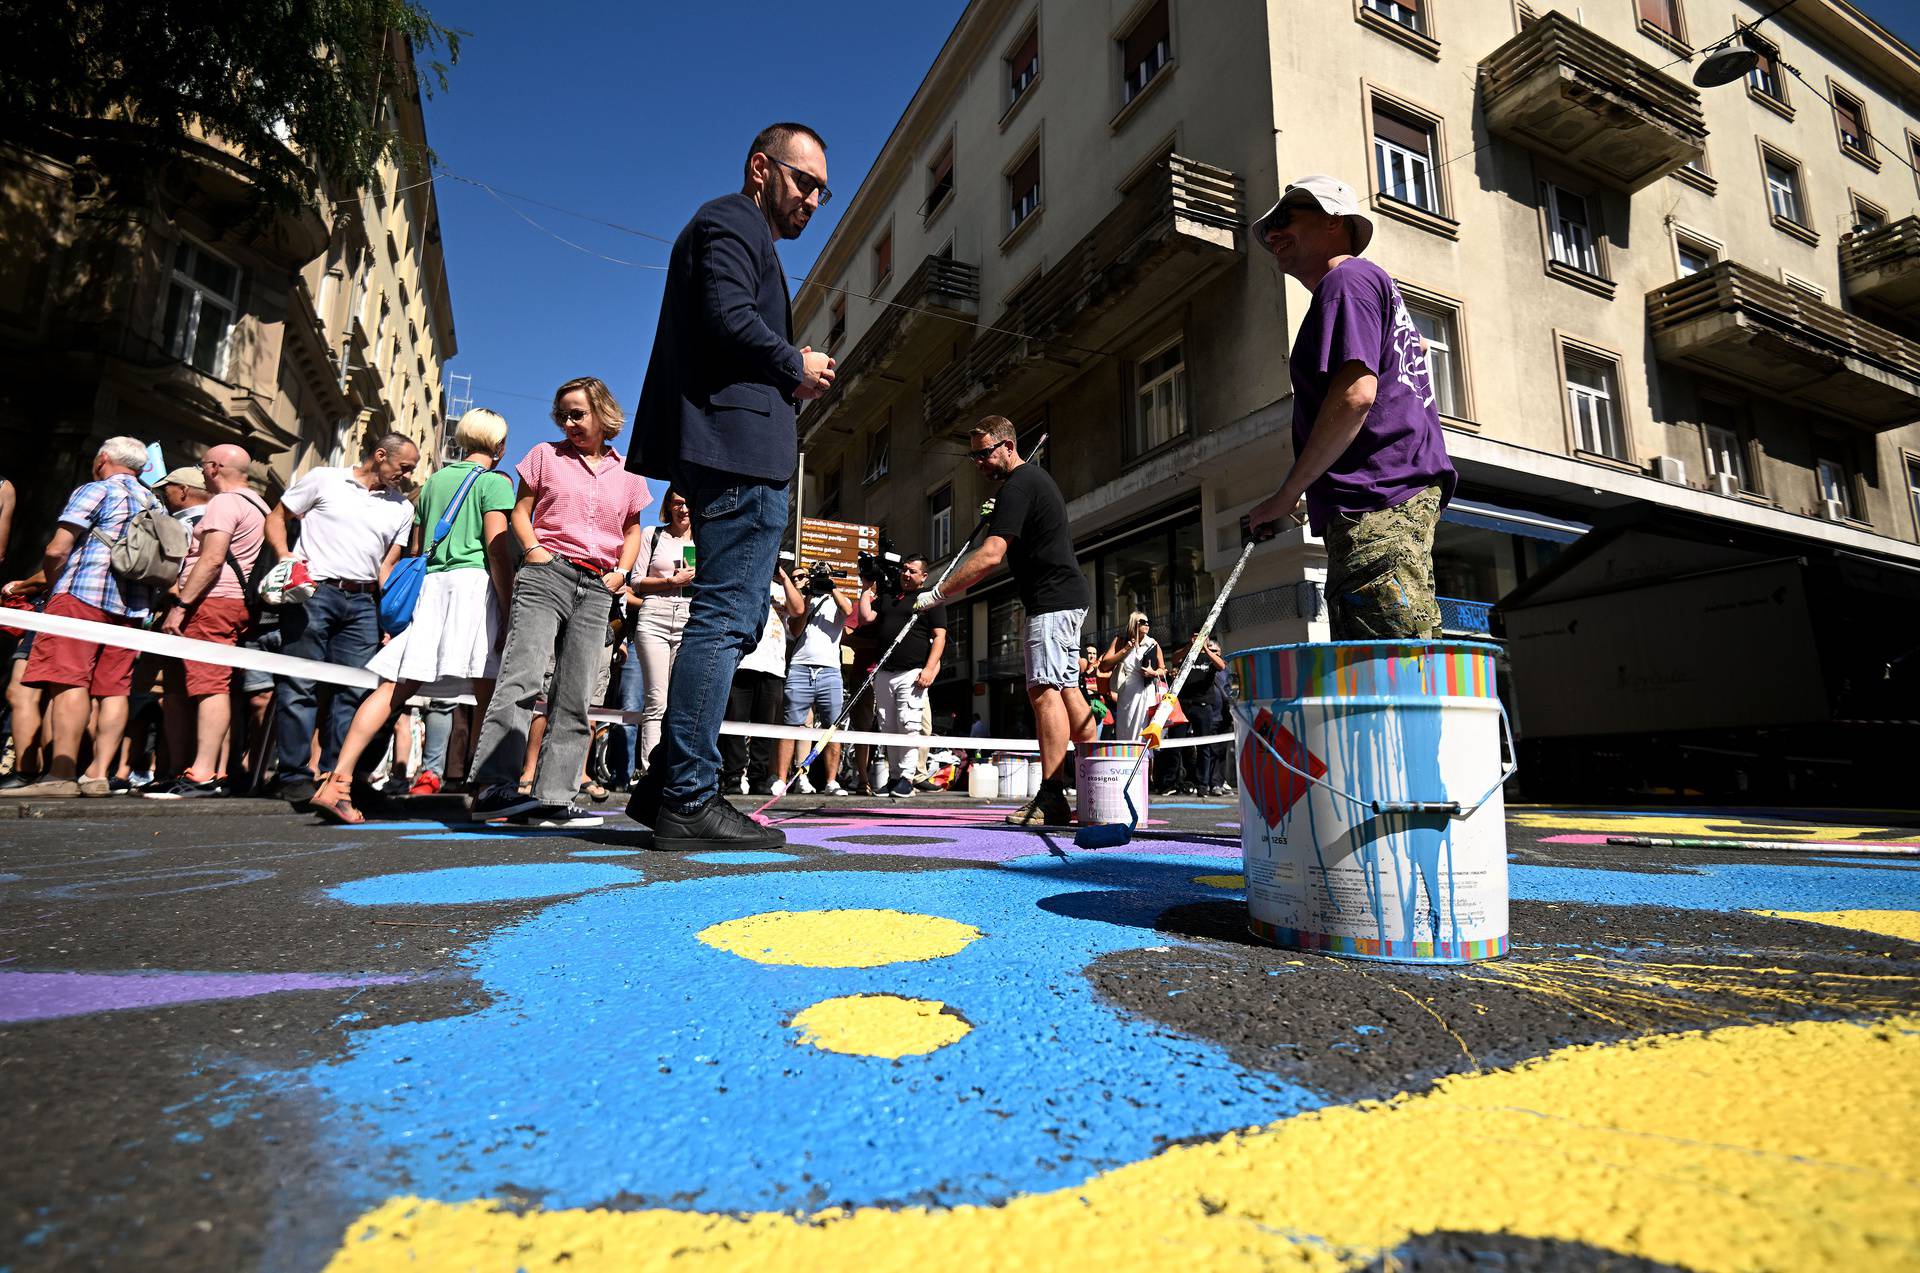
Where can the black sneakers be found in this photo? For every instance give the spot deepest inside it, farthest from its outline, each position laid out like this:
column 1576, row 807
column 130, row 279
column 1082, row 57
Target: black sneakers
column 643, row 802
column 714, row 825
column 185, row 788
column 900, row 788
column 502, row 800
column 1047, row 809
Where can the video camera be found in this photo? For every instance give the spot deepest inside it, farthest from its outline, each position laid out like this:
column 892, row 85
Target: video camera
column 881, row 570
column 819, row 578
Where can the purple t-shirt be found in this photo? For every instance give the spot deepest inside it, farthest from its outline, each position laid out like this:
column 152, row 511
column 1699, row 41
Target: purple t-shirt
column 1357, row 316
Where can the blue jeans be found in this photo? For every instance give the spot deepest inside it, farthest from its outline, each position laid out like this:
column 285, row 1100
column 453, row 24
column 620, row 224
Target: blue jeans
column 334, row 627
column 623, row 749
column 737, row 523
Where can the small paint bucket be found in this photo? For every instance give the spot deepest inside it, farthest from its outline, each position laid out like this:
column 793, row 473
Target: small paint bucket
column 1371, row 815
column 1100, row 772
column 983, row 780
column 1013, row 776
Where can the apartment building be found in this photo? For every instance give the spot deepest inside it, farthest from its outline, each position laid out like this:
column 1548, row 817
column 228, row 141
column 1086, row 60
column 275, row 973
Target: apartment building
column 1633, row 291
column 171, row 310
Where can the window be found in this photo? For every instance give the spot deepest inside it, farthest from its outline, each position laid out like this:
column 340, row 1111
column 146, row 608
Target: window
column 1664, row 17
column 1403, row 159
column 1694, row 255
column 878, row 447
column 939, row 181
column 1726, row 453
column 1160, row 400
column 1438, row 325
column 203, row 299
column 1783, row 189
column 1023, row 190
column 1593, row 396
column 1835, row 478
column 1913, row 491
column 1144, row 50
column 1850, row 117
column 1812, row 291
column 828, row 503
column 1867, row 217
column 838, row 331
column 1570, row 229
column 883, row 258
column 1405, row 12
column 940, row 523
column 1023, row 64
column 1765, row 78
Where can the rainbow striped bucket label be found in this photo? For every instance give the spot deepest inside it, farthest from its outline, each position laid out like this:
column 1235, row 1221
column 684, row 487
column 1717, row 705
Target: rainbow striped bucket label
column 1326, row 733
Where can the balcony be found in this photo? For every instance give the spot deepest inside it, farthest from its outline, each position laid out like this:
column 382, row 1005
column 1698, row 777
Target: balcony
column 1561, row 90
column 1178, row 227
column 1883, row 267
column 918, row 318
column 1734, row 324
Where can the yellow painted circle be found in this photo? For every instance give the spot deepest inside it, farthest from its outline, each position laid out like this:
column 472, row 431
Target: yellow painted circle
column 1221, row 881
column 879, row 1025
column 840, row 939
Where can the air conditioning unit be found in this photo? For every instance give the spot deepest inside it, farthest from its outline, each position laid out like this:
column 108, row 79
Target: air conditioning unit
column 1726, row 484
column 1670, row 468
column 1833, row 510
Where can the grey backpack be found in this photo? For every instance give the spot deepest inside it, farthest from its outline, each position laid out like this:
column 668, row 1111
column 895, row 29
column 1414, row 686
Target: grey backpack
column 150, row 551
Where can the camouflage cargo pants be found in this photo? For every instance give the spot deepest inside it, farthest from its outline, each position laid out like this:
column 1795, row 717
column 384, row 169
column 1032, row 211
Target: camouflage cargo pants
column 1380, row 572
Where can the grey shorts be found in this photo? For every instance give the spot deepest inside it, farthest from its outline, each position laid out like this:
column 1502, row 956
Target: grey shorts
column 1053, row 648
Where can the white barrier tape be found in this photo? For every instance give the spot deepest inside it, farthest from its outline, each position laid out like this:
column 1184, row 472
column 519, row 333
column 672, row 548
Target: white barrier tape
column 359, row 678
column 188, row 648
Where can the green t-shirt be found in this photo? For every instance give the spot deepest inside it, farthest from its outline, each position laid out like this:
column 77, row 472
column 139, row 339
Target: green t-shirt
column 465, row 547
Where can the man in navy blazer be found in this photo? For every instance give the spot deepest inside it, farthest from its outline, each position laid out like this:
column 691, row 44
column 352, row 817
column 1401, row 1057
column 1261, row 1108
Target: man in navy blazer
column 716, row 418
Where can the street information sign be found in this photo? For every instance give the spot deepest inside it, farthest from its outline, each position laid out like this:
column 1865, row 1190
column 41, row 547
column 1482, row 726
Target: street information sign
column 838, row 544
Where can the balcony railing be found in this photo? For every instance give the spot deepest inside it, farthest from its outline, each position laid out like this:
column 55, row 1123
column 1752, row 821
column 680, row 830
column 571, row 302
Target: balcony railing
column 941, row 289
column 1559, row 89
column 1182, row 209
column 1733, row 323
column 1883, row 265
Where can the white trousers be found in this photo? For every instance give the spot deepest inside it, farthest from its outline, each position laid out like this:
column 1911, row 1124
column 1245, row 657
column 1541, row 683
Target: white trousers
column 901, row 702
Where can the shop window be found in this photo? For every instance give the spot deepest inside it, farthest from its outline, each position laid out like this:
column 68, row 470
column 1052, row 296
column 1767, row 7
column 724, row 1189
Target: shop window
column 1145, row 50
column 1023, row 189
column 879, row 447
column 1593, row 398
column 1160, row 400
column 1439, row 329
column 940, row 523
column 203, row 301
column 1403, row 148
column 1023, row 64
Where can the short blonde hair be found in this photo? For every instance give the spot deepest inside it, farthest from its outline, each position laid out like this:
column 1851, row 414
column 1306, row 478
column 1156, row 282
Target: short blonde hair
column 481, row 430
column 599, row 397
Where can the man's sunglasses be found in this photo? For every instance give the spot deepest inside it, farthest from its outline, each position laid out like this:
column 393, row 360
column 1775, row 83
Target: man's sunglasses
column 803, row 181
column 984, row 452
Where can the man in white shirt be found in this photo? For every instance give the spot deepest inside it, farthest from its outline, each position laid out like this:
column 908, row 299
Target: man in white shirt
column 354, row 525
column 818, row 620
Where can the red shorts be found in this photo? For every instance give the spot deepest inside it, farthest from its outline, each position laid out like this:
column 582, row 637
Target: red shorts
column 105, row 671
column 220, row 620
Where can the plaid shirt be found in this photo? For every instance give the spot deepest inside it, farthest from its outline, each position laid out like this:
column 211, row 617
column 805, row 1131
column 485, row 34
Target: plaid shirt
column 108, row 505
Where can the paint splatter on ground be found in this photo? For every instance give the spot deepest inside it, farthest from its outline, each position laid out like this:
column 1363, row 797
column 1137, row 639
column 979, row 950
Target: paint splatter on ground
column 912, row 1038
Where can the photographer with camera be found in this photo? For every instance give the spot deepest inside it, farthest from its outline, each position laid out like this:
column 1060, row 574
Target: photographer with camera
column 817, row 614
column 889, row 603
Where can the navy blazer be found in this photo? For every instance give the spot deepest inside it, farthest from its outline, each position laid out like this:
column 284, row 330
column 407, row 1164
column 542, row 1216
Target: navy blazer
column 719, row 387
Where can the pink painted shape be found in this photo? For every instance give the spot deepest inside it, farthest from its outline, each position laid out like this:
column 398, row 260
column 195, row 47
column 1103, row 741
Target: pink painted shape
column 40, row 996
column 1733, row 841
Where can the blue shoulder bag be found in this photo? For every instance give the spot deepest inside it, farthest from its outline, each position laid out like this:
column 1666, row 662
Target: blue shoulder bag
column 401, row 593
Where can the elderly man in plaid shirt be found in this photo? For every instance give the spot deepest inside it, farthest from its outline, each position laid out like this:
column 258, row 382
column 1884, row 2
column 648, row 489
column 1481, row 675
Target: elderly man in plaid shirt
column 78, row 673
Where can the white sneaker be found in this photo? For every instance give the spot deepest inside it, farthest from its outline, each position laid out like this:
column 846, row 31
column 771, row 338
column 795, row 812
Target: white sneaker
column 833, row 788
column 803, row 784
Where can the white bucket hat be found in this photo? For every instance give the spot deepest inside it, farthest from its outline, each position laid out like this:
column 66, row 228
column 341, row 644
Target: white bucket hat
column 1331, row 196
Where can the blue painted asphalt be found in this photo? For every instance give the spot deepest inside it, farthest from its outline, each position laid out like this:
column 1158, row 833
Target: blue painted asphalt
column 459, row 884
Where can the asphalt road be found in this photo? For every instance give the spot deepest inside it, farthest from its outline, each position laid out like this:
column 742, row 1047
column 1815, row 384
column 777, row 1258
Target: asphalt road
column 231, row 1038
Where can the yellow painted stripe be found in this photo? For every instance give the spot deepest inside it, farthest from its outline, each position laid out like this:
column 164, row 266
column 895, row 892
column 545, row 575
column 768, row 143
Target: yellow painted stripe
column 1902, row 924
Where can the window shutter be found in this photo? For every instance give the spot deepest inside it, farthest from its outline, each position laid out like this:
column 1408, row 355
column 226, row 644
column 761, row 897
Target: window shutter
column 1152, row 29
column 1660, row 13
column 1403, row 132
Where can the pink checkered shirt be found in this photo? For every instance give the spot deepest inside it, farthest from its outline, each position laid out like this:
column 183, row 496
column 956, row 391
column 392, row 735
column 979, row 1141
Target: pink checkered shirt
column 578, row 512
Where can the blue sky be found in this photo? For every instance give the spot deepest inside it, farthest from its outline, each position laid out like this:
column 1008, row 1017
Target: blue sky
column 638, row 112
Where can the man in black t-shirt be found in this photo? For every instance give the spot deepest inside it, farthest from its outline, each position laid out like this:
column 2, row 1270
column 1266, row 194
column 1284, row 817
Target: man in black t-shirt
column 1028, row 530
column 901, row 688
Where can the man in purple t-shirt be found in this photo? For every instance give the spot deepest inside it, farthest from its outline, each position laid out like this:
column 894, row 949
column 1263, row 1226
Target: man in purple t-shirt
column 1368, row 452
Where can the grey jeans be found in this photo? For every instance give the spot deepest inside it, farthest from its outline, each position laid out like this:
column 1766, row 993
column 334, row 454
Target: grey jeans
column 656, row 640
column 560, row 614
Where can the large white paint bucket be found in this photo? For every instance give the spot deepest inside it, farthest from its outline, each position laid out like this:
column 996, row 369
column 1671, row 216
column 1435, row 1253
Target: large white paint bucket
column 1013, row 776
column 983, row 780
column 1035, row 775
column 1371, row 817
column 1100, row 772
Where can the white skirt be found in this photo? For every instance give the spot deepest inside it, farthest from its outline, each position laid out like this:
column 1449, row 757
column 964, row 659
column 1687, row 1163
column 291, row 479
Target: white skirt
column 452, row 635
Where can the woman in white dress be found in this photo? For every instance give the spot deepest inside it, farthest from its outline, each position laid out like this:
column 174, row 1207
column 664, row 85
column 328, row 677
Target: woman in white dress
column 1139, row 675
column 657, row 593
column 455, row 632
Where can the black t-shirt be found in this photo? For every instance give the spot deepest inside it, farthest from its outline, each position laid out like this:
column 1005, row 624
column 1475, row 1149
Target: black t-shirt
column 890, row 615
column 1031, row 515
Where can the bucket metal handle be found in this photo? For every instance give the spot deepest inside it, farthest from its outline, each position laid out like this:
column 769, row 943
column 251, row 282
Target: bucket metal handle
column 1451, row 808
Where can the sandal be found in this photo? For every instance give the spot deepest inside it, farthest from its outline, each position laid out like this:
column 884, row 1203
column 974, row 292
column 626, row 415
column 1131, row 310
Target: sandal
column 594, row 791
column 339, row 811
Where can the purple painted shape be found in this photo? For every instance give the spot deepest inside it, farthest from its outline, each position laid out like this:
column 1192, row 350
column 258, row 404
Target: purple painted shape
column 977, row 844
column 40, row 996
